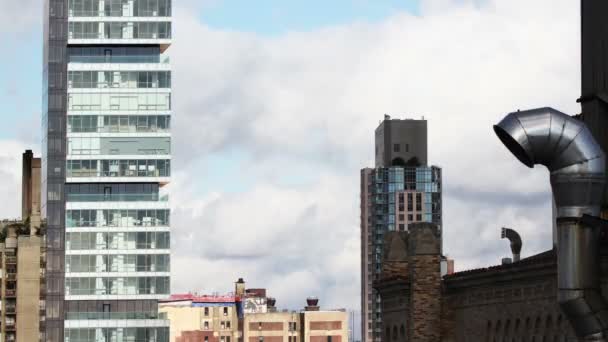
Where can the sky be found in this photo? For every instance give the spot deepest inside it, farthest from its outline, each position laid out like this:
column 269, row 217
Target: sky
column 275, row 105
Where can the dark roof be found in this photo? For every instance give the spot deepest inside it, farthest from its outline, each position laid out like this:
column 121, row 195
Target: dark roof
column 546, row 256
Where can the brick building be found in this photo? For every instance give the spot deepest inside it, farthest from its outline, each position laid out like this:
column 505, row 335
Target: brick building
column 509, row 302
column 202, row 318
column 309, row 325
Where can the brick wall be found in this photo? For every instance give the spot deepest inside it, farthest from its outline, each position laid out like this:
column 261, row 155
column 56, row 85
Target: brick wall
column 335, row 325
column 336, row 338
column 425, row 299
column 266, row 326
column 196, row 336
column 267, row 339
column 425, row 275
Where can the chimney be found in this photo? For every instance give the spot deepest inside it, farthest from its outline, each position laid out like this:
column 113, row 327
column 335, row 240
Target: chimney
column 312, row 304
column 271, row 304
column 239, row 288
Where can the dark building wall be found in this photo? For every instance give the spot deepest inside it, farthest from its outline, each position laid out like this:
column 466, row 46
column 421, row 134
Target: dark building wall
column 401, row 139
column 594, row 72
column 54, row 115
column 516, row 302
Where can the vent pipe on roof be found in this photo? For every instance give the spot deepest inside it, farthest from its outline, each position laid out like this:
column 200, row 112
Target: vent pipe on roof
column 577, row 165
column 515, row 239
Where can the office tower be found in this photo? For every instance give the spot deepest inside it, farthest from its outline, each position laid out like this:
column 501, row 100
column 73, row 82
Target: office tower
column 400, row 190
column 105, row 166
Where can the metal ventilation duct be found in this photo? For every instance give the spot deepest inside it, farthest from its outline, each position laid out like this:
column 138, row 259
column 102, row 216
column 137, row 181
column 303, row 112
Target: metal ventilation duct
column 515, row 239
column 566, row 147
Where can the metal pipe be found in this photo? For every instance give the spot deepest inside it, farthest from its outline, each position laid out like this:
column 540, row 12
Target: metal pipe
column 515, row 239
column 577, row 165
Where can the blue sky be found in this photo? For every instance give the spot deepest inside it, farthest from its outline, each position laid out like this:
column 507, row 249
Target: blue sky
column 278, row 16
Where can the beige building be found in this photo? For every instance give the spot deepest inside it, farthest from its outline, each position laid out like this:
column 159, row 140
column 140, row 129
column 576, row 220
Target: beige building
column 22, row 263
column 201, row 318
column 272, row 327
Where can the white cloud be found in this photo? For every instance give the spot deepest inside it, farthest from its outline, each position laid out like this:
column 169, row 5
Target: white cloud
column 307, row 104
column 312, row 100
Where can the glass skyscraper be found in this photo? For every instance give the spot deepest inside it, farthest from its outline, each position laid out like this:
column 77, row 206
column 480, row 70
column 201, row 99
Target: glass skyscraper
column 400, row 190
column 106, row 165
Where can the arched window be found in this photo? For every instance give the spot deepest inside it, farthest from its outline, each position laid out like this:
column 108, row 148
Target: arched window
column 528, row 323
column 549, row 322
column 498, row 325
column 507, row 326
column 395, row 334
column 517, row 325
column 537, row 324
column 402, row 332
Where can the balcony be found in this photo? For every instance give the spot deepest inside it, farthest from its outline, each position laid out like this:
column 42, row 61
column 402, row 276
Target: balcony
column 120, row 59
column 111, row 315
column 117, row 198
column 10, row 293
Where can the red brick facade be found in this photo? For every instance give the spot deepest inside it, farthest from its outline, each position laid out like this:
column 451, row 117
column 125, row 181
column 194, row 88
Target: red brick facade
column 325, row 338
column 337, row 325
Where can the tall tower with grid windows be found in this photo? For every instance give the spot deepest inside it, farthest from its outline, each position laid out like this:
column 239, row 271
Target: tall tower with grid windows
column 106, row 162
column 400, row 190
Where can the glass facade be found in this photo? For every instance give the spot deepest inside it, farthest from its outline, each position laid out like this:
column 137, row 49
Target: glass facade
column 115, row 334
column 402, row 195
column 106, row 118
column 395, row 197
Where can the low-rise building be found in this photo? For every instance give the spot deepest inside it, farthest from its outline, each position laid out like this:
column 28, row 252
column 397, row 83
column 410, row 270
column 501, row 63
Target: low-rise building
column 197, row 318
column 309, row 325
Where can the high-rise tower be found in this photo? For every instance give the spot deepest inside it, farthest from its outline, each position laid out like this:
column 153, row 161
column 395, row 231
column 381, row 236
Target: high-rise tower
column 106, row 163
column 400, row 190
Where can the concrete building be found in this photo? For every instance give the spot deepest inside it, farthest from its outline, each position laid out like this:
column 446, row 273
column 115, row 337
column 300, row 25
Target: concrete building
column 106, row 161
column 202, row 318
column 401, row 142
column 22, row 263
column 400, row 191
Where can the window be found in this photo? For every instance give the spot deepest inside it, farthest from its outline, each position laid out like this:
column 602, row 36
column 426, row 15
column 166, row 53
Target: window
column 261, row 338
column 402, row 227
column 222, row 326
column 225, row 311
column 410, row 217
column 410, row 202
column 418, row 217
column 227, row 324
column 206, row 338
column 407, row 147
column 401, row 217
column 418, row 201
column 396, row 148
column 206, row 325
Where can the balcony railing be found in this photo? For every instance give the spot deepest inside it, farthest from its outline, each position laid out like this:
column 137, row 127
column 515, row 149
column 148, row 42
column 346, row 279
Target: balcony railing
column 120, row 59
column 121, row 173
column 117, row 198
column 111, row 315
